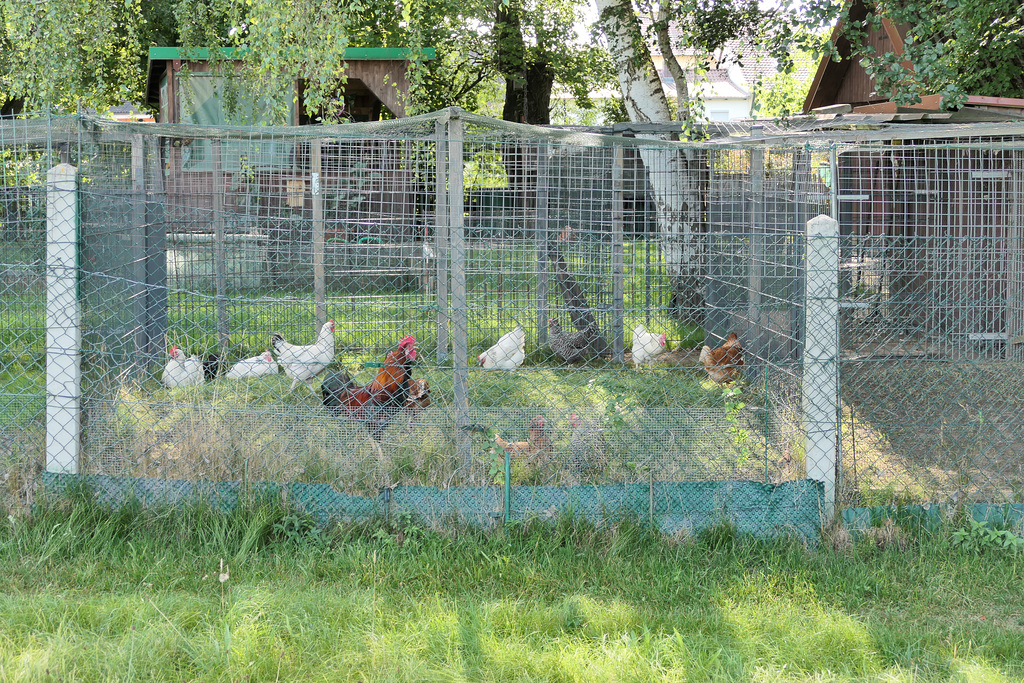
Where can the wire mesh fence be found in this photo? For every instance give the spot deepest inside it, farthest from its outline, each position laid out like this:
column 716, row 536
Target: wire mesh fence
column 460, row 317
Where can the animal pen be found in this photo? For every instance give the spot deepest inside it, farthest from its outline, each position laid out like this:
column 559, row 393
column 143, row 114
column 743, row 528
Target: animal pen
column 873, row 277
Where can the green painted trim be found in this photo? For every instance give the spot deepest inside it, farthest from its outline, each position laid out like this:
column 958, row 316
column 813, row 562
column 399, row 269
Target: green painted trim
column 352, row 53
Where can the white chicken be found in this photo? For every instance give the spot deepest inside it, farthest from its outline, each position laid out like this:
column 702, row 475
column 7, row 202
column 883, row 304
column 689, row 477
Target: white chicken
column 305, row 363
column 182, row 370
column 646, row 345
column 508, row 353
column 257, row 366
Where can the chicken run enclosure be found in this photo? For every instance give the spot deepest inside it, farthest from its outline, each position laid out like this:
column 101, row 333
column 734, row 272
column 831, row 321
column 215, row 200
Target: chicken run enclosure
column 874, row 279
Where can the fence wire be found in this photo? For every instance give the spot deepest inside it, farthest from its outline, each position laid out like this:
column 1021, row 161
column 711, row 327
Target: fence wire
column 495, row 245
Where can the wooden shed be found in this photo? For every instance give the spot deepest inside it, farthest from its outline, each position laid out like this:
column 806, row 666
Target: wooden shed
column 942, row 228
column 376, row 80
column 272, row 191
column 846, row 82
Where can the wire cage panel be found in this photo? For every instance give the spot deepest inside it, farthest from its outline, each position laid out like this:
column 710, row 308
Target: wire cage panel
column 228, row 244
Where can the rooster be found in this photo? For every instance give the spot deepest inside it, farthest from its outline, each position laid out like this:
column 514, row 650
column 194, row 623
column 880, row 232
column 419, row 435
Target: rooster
column 723, row 363
column 646, row 345
column 257, row 366
column 305, row 363
column 536, row 450
column 182, row 370
column 508, row 353
column 374, row 404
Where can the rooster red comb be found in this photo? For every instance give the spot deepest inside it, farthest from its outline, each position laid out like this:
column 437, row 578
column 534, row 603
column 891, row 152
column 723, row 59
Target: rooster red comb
column 408, row 345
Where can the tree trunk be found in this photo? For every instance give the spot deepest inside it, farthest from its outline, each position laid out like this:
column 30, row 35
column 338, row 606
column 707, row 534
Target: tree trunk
column 674, row 175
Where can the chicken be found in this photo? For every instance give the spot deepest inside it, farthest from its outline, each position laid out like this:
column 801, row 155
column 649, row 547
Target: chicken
column 305, row 363
column 574, row 346
column 182, row 370
column 536, row 450
column 508, row 353
column 419, row 397
column 588, row 450
column 211, row 367
column 377, row 403
column 646, row 345
column 723, row 363
column 257, row 366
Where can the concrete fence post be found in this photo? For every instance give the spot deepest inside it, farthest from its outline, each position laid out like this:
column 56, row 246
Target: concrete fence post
column 63, row 323
column 821, row 356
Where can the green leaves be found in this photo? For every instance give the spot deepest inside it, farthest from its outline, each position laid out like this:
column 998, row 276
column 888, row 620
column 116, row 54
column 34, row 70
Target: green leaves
column 979, row 537
column 70, row 54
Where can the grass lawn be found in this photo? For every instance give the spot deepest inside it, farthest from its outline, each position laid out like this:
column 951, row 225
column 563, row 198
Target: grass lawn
column 92, row 595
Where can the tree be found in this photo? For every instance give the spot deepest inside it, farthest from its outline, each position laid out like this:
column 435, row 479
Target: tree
column 67, row 55
column 701, row 28
column 783, row 93
column 673, row 174
column 950, row 48
column 535, row 46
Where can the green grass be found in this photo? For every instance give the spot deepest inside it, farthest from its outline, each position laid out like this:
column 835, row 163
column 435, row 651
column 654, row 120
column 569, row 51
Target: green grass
column 90, row 594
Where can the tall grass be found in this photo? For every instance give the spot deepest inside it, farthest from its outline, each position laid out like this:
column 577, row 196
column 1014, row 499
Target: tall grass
column 190, row 594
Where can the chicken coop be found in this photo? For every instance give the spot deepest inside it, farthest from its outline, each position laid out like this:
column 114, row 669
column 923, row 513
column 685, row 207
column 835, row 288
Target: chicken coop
column 872, row 280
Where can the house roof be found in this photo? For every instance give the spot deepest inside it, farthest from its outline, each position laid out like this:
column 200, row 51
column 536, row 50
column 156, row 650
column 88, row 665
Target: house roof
column 716, row 84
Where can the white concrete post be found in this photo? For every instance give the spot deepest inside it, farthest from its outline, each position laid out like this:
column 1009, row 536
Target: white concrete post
column 821, row 356
column 63, row 323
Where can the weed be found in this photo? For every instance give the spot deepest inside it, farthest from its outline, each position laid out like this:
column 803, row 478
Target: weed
column 979, row 537
column 299, row 531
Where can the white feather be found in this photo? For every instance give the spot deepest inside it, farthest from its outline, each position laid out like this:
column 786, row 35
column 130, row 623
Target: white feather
column 508, row 353
column 646, row 345
column 257, row 366
column 182, row 371
column 304, row 363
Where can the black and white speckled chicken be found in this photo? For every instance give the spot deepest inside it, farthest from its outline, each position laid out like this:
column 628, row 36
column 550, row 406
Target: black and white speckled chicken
column 588, row 450
column 573, row 346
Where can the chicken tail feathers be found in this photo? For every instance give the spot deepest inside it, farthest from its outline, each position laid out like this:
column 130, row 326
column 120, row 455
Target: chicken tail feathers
column 276, row 339
column 332, row 389
column 211, row 367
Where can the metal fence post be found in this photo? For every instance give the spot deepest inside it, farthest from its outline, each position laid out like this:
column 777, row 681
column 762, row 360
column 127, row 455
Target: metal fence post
column 618, row 274
column 138, row 236
column 541, row 235
column 63, row 323
column 460, row 305
column 441, row 222
column 316, row 189
column 219, row 250
column 821, row 356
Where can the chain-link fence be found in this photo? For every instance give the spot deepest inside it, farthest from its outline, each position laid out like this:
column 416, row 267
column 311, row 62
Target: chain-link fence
column 880, row 353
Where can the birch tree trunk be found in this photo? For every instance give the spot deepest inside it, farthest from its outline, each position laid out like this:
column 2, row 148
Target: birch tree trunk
column 674, row 175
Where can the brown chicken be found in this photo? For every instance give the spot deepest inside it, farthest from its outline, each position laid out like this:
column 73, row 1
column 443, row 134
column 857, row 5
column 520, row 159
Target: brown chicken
column 536, row 450
column 375, row 404
column 723, row 364
column 419, row 397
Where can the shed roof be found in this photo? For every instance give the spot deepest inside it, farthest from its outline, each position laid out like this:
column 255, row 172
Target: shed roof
column 847, row 82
